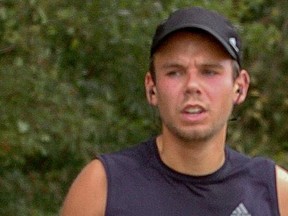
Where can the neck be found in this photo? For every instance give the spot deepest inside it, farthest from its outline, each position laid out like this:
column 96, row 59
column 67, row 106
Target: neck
column 190, row 158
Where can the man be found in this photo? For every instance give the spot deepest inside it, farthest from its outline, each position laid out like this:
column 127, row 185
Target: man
column 195, row 80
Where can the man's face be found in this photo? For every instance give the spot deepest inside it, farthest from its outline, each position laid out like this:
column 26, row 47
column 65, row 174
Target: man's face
column 194, row 87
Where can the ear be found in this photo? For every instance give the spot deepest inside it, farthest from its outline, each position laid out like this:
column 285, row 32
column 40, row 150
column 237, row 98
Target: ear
column 151, row 91
column 241, row 85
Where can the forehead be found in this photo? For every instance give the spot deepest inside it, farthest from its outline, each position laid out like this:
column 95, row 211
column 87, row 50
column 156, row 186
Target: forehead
column 195, row 38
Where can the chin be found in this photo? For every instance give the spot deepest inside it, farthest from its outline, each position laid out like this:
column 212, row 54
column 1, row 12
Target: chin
column 194, row 135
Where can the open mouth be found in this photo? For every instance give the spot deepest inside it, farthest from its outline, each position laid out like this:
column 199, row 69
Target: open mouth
column 194, row 110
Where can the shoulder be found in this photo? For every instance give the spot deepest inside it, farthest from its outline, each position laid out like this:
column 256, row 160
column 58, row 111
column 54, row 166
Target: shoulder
column 131, row 158
column 87, row 195
column 282, row 190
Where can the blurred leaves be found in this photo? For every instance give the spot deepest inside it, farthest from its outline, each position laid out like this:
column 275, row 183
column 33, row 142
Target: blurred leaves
column 71, row 87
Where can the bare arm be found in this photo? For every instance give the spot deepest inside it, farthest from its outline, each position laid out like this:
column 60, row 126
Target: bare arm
column 87, row 195
column 282, row 190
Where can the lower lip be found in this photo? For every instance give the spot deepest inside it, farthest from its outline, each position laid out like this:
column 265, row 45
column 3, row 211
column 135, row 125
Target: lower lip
column 194, row 118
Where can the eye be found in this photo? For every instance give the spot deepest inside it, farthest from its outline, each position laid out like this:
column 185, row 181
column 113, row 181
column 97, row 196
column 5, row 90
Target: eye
column 209, row 72
column 174, row 73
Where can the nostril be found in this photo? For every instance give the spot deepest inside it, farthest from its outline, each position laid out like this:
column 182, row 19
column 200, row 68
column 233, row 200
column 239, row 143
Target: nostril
column 193, row 89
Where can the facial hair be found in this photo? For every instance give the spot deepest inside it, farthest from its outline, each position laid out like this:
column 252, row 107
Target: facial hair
column 197, row 135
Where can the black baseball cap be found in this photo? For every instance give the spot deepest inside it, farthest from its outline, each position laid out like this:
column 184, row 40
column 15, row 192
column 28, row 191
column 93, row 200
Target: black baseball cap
column 205, row 20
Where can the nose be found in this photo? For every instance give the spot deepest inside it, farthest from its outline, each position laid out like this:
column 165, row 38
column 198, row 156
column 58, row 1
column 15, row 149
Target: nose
column 193, row 83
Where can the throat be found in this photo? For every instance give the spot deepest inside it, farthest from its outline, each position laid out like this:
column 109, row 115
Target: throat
column 191, row 161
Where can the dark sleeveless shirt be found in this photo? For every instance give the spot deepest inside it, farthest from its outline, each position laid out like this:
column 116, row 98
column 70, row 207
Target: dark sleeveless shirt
column 140, row 184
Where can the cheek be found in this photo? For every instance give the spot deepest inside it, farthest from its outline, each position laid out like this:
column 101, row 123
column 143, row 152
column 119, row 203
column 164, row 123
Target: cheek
column 167, row 96
column 222, row 94
column 168, row 91
column 226, row 103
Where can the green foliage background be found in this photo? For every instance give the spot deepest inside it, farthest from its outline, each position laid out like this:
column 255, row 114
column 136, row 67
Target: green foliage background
column 71, row 87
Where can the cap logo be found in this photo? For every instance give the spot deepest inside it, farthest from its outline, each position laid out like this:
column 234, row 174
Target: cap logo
column 233, row 43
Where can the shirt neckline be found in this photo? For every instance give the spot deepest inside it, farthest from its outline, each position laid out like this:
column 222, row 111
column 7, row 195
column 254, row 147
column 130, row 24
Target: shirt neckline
column 215, row 176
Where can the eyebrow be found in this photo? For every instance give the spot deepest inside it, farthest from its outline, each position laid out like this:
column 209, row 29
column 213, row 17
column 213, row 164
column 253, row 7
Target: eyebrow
column 201, row 65
column 211, row 65
column 171, row 65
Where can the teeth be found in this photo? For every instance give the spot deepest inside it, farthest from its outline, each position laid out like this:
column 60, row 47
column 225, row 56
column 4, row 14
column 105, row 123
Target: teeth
column 194, row 110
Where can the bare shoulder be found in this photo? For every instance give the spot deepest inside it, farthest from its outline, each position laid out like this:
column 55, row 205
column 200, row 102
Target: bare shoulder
column 87, row 195
column 282, row 190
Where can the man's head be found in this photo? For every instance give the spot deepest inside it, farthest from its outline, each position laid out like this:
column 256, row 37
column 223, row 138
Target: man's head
column 197, row 19
column 194, row 85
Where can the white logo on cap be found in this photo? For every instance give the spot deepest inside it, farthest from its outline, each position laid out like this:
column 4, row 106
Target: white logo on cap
column 233, row 43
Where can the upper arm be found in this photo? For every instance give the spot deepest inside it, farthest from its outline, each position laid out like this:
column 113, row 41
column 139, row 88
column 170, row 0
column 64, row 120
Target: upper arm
column 282, row 190
column 88, row 193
